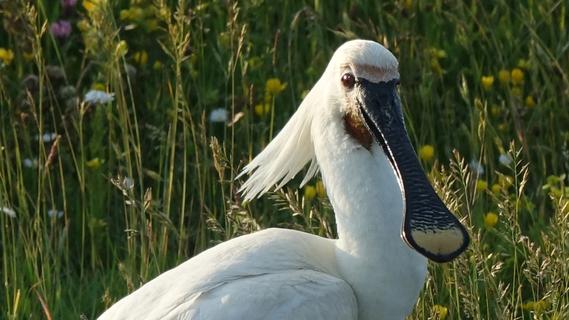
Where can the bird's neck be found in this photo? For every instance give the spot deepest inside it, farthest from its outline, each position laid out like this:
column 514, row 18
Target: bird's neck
column 367, row 201
column 368, row 205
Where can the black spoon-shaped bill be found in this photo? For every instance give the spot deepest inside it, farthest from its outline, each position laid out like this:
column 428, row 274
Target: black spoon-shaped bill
column 428, row 225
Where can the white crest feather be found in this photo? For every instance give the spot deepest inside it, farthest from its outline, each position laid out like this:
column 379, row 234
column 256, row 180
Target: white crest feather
column 285, row 155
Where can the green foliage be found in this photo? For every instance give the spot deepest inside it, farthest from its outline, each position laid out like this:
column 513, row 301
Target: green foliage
column 99, row 196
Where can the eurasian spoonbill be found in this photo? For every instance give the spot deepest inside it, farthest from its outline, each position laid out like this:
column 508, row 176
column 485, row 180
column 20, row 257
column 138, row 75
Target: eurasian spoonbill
column 390, row 220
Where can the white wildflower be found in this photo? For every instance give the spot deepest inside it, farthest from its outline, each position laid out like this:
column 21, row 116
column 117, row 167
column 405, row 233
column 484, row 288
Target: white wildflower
column 505, row 159
column 218, row 115
column 476, row 167
column 30, row 163
column 98, row 97
column 9, row 212
column 47, row 137
column 55, row 213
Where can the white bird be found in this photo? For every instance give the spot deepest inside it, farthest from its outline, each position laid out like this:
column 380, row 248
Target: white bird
column 389, row 219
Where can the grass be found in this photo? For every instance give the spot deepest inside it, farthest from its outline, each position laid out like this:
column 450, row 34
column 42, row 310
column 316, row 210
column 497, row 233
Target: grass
column 98, row 198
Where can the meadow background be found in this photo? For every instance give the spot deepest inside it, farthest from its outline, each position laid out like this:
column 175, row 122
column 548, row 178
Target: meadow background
column 124, row 123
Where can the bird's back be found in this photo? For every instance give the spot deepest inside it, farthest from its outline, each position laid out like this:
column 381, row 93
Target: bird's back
column 271, row 274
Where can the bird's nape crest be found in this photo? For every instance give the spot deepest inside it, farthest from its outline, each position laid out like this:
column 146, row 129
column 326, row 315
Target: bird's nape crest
column 285, row 155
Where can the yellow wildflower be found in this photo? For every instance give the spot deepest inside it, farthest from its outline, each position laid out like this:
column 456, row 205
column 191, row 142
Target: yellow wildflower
column 427, row 152
column 503, row 127
column 320, row 190
column 517, row 76
column 481, row 185
column 309, row 193
column 440, row 312
column 490, row 220
column 504, row 77
column 157, row 65
column 83, row 25
column 274, row 86
column 94, row 163
column 91, row 5
column 262, row 109
column 530, row 102
column 496, row 188
column 517, row 91
column 6, row 55
column 141, row 57
column 487, row 82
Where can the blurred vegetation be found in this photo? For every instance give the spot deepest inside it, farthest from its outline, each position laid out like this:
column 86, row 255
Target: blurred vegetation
column 124, row 123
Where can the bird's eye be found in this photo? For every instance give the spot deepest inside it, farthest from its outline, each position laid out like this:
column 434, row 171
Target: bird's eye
column 348, row 80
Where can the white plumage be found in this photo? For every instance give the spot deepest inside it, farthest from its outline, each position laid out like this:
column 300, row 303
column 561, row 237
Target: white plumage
column 368, row 273
column 271, row 274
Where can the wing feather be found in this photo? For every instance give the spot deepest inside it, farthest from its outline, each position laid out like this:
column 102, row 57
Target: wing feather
column 270, row 273
column 297, row 294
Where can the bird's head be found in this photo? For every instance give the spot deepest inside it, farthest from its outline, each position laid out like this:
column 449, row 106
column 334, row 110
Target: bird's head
column 359, row 88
